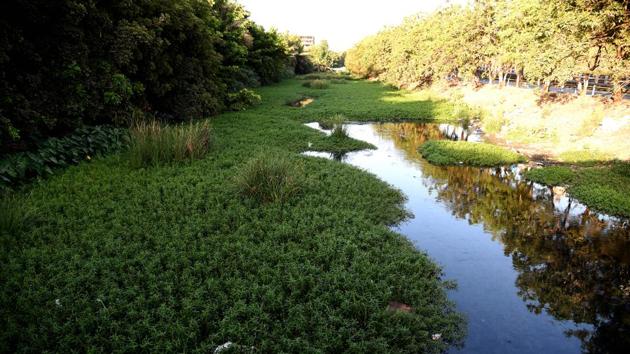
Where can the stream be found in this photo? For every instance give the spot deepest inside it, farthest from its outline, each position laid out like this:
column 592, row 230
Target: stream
column 536, row 271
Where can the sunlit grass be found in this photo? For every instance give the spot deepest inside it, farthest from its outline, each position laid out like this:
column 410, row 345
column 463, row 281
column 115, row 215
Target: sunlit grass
column 445, row 152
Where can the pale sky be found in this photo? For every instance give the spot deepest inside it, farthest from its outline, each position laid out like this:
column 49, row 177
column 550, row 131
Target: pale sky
column 342, row 22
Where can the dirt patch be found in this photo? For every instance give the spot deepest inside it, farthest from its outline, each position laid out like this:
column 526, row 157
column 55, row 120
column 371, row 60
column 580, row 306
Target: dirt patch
column 302, row 102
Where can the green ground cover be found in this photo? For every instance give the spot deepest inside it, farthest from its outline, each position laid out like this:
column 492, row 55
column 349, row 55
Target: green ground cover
column 446, row 152
column 604, row 187
column 178, row 257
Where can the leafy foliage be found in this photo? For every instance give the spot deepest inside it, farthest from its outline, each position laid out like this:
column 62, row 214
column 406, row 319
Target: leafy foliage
column 445, row 152
column 83, row 144
column 242, row 99
column 541, row 41
column 69, row 63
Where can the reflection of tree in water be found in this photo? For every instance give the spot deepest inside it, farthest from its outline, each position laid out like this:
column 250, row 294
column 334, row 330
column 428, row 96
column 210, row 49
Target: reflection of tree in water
column 571, row 262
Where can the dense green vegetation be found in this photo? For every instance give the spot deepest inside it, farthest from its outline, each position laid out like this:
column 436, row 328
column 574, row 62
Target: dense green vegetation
column 551, row 175
column 69, row 63
column 56, row 153
column 539, row 40
column 152, row 143
column 446, row 152
column 179, row 257
column 602, row 187
column 370, row 101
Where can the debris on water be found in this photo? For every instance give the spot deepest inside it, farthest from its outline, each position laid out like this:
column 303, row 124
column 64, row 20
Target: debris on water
column 397, row 306
column 222, row 347
column 227, row 345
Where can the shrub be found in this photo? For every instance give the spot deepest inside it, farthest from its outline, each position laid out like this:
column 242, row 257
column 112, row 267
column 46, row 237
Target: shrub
column 83, row 144
column 313, row 77
column 446, row 152
column 153, row 143
column 269, row 179
column 317, row 84
column 239, row 101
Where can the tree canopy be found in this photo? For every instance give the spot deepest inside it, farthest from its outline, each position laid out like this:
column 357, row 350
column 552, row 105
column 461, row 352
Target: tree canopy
column 68, row 63
column 550, row 41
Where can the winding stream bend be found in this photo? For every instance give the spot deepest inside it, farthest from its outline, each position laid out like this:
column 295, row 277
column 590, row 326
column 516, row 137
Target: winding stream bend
column 537, row 272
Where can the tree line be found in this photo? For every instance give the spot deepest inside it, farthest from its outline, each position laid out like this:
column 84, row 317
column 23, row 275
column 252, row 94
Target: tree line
column 542, row 41
column 70, row 63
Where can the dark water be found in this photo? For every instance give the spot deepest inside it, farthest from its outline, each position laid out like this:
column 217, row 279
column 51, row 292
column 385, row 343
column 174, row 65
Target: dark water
column 537, row 272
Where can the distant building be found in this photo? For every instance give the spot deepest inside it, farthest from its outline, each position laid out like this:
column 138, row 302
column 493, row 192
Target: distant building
column 307, row 41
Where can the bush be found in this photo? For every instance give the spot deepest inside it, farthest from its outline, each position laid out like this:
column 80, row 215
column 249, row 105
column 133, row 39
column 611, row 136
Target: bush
column 239, row 101
column 83, row 144
column 153, row 144
column 446, row 152
column 316, row 84
column 268, row 179
column 313, row 77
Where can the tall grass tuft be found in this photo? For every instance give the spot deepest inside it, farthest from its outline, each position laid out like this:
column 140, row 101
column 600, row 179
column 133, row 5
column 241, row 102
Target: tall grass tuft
column 153, row 143
column 339, row 132
column 336, row 124
column 270, row 179
column 317, row 84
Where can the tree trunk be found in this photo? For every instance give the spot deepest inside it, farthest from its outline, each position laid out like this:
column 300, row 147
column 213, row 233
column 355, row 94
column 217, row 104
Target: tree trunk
column 584, row 86
column 518, row 78
column 617, row 94
column 546, row 87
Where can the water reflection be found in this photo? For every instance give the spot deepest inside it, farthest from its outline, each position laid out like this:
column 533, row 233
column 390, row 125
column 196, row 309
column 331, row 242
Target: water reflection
column 572, row 263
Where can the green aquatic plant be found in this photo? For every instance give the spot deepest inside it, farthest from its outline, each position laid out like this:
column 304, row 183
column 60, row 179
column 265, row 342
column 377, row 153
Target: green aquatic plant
column 118, row 259
column 14, row 213
column 446, row 152
column 604, row 187
column 552, row 175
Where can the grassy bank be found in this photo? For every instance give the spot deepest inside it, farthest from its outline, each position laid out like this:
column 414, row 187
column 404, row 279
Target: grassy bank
column 185, row 256
column 605, row 188
column 561, row 127
column 445, row 152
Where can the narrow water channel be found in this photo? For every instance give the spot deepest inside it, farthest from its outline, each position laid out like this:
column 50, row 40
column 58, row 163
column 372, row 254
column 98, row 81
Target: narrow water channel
column 537, row 272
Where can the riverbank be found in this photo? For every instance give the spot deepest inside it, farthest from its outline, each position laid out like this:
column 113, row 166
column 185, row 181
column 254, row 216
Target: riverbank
column 583, row 135
column 105, row 257
column 603, row 187
column 563, row 127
